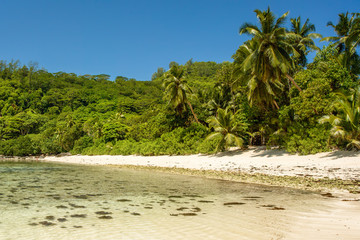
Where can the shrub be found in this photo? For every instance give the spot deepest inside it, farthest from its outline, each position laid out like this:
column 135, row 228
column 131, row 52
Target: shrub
column 308, row 140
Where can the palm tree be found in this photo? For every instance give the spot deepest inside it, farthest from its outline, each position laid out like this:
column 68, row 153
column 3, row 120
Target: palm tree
column 348, row 38
column 270, row 53
column 262, row 92
column 177, row 90
column 346, row 124
column 226, row 129
column 354, row 36
column 344, row 28
column 301, row 36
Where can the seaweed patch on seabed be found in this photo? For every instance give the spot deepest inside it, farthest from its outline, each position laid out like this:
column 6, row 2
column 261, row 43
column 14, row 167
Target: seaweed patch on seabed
column 272, row 207
column 47, row 223
column 123, row 200
column 105, row 217
column 205, row 201
column 78, row 216
column 233, row 203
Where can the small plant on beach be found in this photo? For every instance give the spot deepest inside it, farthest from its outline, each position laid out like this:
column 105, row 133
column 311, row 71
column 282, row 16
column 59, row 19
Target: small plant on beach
column 226, row 130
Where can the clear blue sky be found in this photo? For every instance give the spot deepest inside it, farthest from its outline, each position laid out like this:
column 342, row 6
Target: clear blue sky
column 133, row 38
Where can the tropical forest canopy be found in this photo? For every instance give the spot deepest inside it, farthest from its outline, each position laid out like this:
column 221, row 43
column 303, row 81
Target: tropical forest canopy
column 269, row 95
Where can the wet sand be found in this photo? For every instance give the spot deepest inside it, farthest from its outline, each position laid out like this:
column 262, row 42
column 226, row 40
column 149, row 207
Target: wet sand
column 343, row 165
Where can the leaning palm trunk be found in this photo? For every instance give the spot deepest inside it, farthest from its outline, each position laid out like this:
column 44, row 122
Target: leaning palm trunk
column 276, row 105
column 192, row 111
column 293, row 82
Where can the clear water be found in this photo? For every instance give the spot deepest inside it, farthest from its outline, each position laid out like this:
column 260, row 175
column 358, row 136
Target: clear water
column 58, row 201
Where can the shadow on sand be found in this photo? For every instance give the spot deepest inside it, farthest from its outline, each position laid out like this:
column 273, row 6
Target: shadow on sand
column 229, row 153
column 341, row 154
column 269, row 153
column 260, row 151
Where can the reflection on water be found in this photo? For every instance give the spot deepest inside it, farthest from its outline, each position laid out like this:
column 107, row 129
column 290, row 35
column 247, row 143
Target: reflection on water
column 56, row 201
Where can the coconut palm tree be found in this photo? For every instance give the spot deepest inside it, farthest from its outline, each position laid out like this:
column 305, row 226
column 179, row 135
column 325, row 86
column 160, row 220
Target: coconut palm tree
column 346, row 124
column 261, row 91
column 353, row 39
column 348, row 38
column 346, row 26
column 266, row 59
column 301, row 37
column 272, row 58
column 177, row 90
column 225, row 129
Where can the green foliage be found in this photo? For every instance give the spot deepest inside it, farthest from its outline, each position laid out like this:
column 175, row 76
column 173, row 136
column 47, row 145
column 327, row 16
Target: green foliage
column 113, row 131
column 307, row 139
column 150, row 129
column 81, row 144
column 332, row 67
column 21, row 146
column 346, row 123
column 226, row 130
column 179, row 141
column 316, row 98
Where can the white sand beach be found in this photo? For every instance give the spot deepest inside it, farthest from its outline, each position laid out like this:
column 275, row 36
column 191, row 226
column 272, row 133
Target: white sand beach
column 338, row 164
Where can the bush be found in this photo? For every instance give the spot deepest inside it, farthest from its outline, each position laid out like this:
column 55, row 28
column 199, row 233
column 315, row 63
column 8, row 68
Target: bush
column 21, row 146
column 81, row 144
column 98, row 148
column 308, row 140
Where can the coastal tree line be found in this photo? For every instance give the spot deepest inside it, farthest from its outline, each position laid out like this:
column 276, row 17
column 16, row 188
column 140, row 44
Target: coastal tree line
column 269, row 95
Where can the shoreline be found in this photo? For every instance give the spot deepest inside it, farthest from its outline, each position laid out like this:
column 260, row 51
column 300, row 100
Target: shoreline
column 331, row 174
column 329, row 171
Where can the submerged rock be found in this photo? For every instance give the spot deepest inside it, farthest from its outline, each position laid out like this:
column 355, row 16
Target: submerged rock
column 61, row 206
column 277, row 208
column 103, row 213
column 80, row 196
column 78, row 216
column 329, row 195
column 196, row 209
column 105, row 217
column 123, row 200
column 46, row 223
column 76, row 206
column 205, row 201
column 182, row 208
column 175, row 196
column 188, row 214
column 252, row 198
column 268, row 206
column 233, row 203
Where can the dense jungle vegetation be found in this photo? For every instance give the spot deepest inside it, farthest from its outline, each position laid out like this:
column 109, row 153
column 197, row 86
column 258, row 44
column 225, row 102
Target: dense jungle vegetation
column 269, row 95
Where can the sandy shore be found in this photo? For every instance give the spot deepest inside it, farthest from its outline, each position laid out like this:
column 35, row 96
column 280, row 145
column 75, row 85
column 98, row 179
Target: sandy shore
column 338, row 164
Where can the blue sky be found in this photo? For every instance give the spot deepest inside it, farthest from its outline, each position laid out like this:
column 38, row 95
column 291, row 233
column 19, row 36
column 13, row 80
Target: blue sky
column 133, row 38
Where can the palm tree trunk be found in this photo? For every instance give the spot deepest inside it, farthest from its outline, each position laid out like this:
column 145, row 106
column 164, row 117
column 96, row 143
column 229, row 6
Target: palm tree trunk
column 192, row 111
column 276, row 105
column 293, row 82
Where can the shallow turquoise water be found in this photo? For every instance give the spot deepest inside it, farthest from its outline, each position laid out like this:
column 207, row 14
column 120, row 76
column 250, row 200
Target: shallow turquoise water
column 58, row 201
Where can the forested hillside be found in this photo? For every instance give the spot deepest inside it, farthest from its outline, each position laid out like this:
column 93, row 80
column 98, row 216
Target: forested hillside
column 269, row 95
